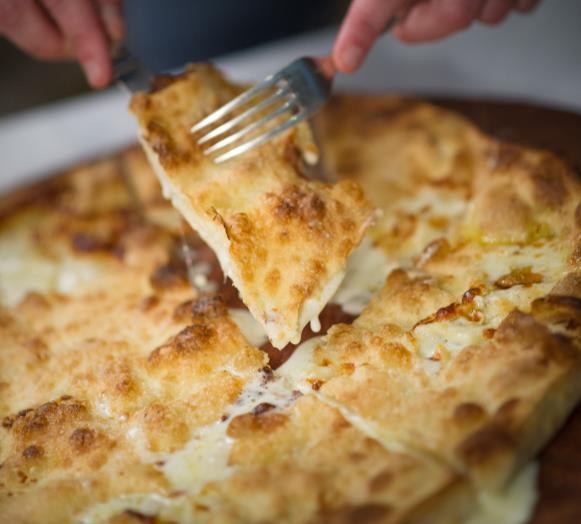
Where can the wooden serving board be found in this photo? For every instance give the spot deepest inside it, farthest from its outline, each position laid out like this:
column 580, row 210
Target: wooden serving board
column 559, row 131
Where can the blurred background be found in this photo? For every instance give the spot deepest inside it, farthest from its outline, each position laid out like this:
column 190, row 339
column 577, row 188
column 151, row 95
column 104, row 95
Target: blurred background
column 536, row 58
column 543, row 48
column 166, row 34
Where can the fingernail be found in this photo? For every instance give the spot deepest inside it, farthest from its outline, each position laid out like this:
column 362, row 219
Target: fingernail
column 352, row 57
column 93, row 72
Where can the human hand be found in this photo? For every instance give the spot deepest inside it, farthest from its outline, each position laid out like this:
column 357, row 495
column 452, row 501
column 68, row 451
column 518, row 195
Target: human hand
column 423, row 20
column 64, row 29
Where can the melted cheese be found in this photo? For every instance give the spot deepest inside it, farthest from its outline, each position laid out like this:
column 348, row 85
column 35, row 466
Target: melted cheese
column 514, row 505
column 315, row 325
column 430, row 201
column 198, row 271
column 367, row 269
column 23, row 270
column 312, row 307
column 436, row 211
column 451, row 336
column 204, row 459
column 251, row 329
column 301, row 366
column 547, row 258
column 175, row 509
column 73, row 273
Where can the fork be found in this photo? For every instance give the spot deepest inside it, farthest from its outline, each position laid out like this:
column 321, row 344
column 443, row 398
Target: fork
column 129, row 72
column 300, row 90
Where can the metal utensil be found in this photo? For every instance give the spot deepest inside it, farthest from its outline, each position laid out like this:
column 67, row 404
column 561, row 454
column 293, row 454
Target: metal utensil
column 130, row 72
column 272, row 106
column 298, row 90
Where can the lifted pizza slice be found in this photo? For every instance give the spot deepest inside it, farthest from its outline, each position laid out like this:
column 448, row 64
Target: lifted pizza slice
column 282, row 238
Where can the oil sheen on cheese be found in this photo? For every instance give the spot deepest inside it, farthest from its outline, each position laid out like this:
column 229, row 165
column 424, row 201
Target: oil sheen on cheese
column 367, row 269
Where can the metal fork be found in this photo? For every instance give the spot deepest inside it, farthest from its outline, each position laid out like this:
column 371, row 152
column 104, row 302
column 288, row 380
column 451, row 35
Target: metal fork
column 130, row 72
column 300, row 89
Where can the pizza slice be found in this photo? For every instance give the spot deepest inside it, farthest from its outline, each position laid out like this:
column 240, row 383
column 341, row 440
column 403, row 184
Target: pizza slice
column 282, row 238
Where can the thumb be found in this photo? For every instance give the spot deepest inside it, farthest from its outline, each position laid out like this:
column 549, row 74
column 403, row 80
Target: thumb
column 363, row 24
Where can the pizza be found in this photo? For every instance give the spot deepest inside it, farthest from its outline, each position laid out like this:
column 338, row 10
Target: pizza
column 449, row 352
column 282, row 238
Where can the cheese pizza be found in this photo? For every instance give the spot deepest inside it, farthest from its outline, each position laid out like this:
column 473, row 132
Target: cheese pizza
column 448, row 356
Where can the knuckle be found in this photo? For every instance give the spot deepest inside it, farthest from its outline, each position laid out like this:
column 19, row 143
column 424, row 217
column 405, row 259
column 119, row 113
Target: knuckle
column 67, row 15
column 46, row 52
column 458, row 18
column 11, row 13
column 56, row 5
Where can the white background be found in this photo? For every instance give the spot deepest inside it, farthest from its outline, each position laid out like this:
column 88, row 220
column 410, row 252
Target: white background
column 535, row 57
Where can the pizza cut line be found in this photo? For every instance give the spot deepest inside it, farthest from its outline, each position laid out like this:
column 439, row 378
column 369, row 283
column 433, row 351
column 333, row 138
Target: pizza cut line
column 448, row 356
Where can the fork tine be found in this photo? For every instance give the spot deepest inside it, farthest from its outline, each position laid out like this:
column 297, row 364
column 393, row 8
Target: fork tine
column 256, row 141
column 243, row 116
column 249, row 128
column 240, row 99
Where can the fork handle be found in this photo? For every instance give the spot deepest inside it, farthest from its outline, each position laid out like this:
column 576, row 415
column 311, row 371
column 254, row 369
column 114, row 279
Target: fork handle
column 326, row 66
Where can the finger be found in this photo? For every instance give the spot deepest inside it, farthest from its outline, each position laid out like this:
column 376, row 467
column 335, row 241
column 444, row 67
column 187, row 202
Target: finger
column 26, row 24
column 81, row 25
column 494, row 11
column 435, row 19
column 362, row 25
column 524, row 6
column 112, row 17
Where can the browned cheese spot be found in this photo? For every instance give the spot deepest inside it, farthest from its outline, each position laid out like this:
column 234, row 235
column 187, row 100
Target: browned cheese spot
column 469, row 413
column 434, row 251
column 483, row 444
column 161, row 142
column 488, row 333
column 169, row 276
column 522, row 276
column 361, row 514
column 296, row 204
column 204, row 308
column 82, row 439
column 272, row 280
column 249, row 423
column 33, row 452
column 148, row 303
column 381, row 481
column 466, row 308
column 187, row 342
